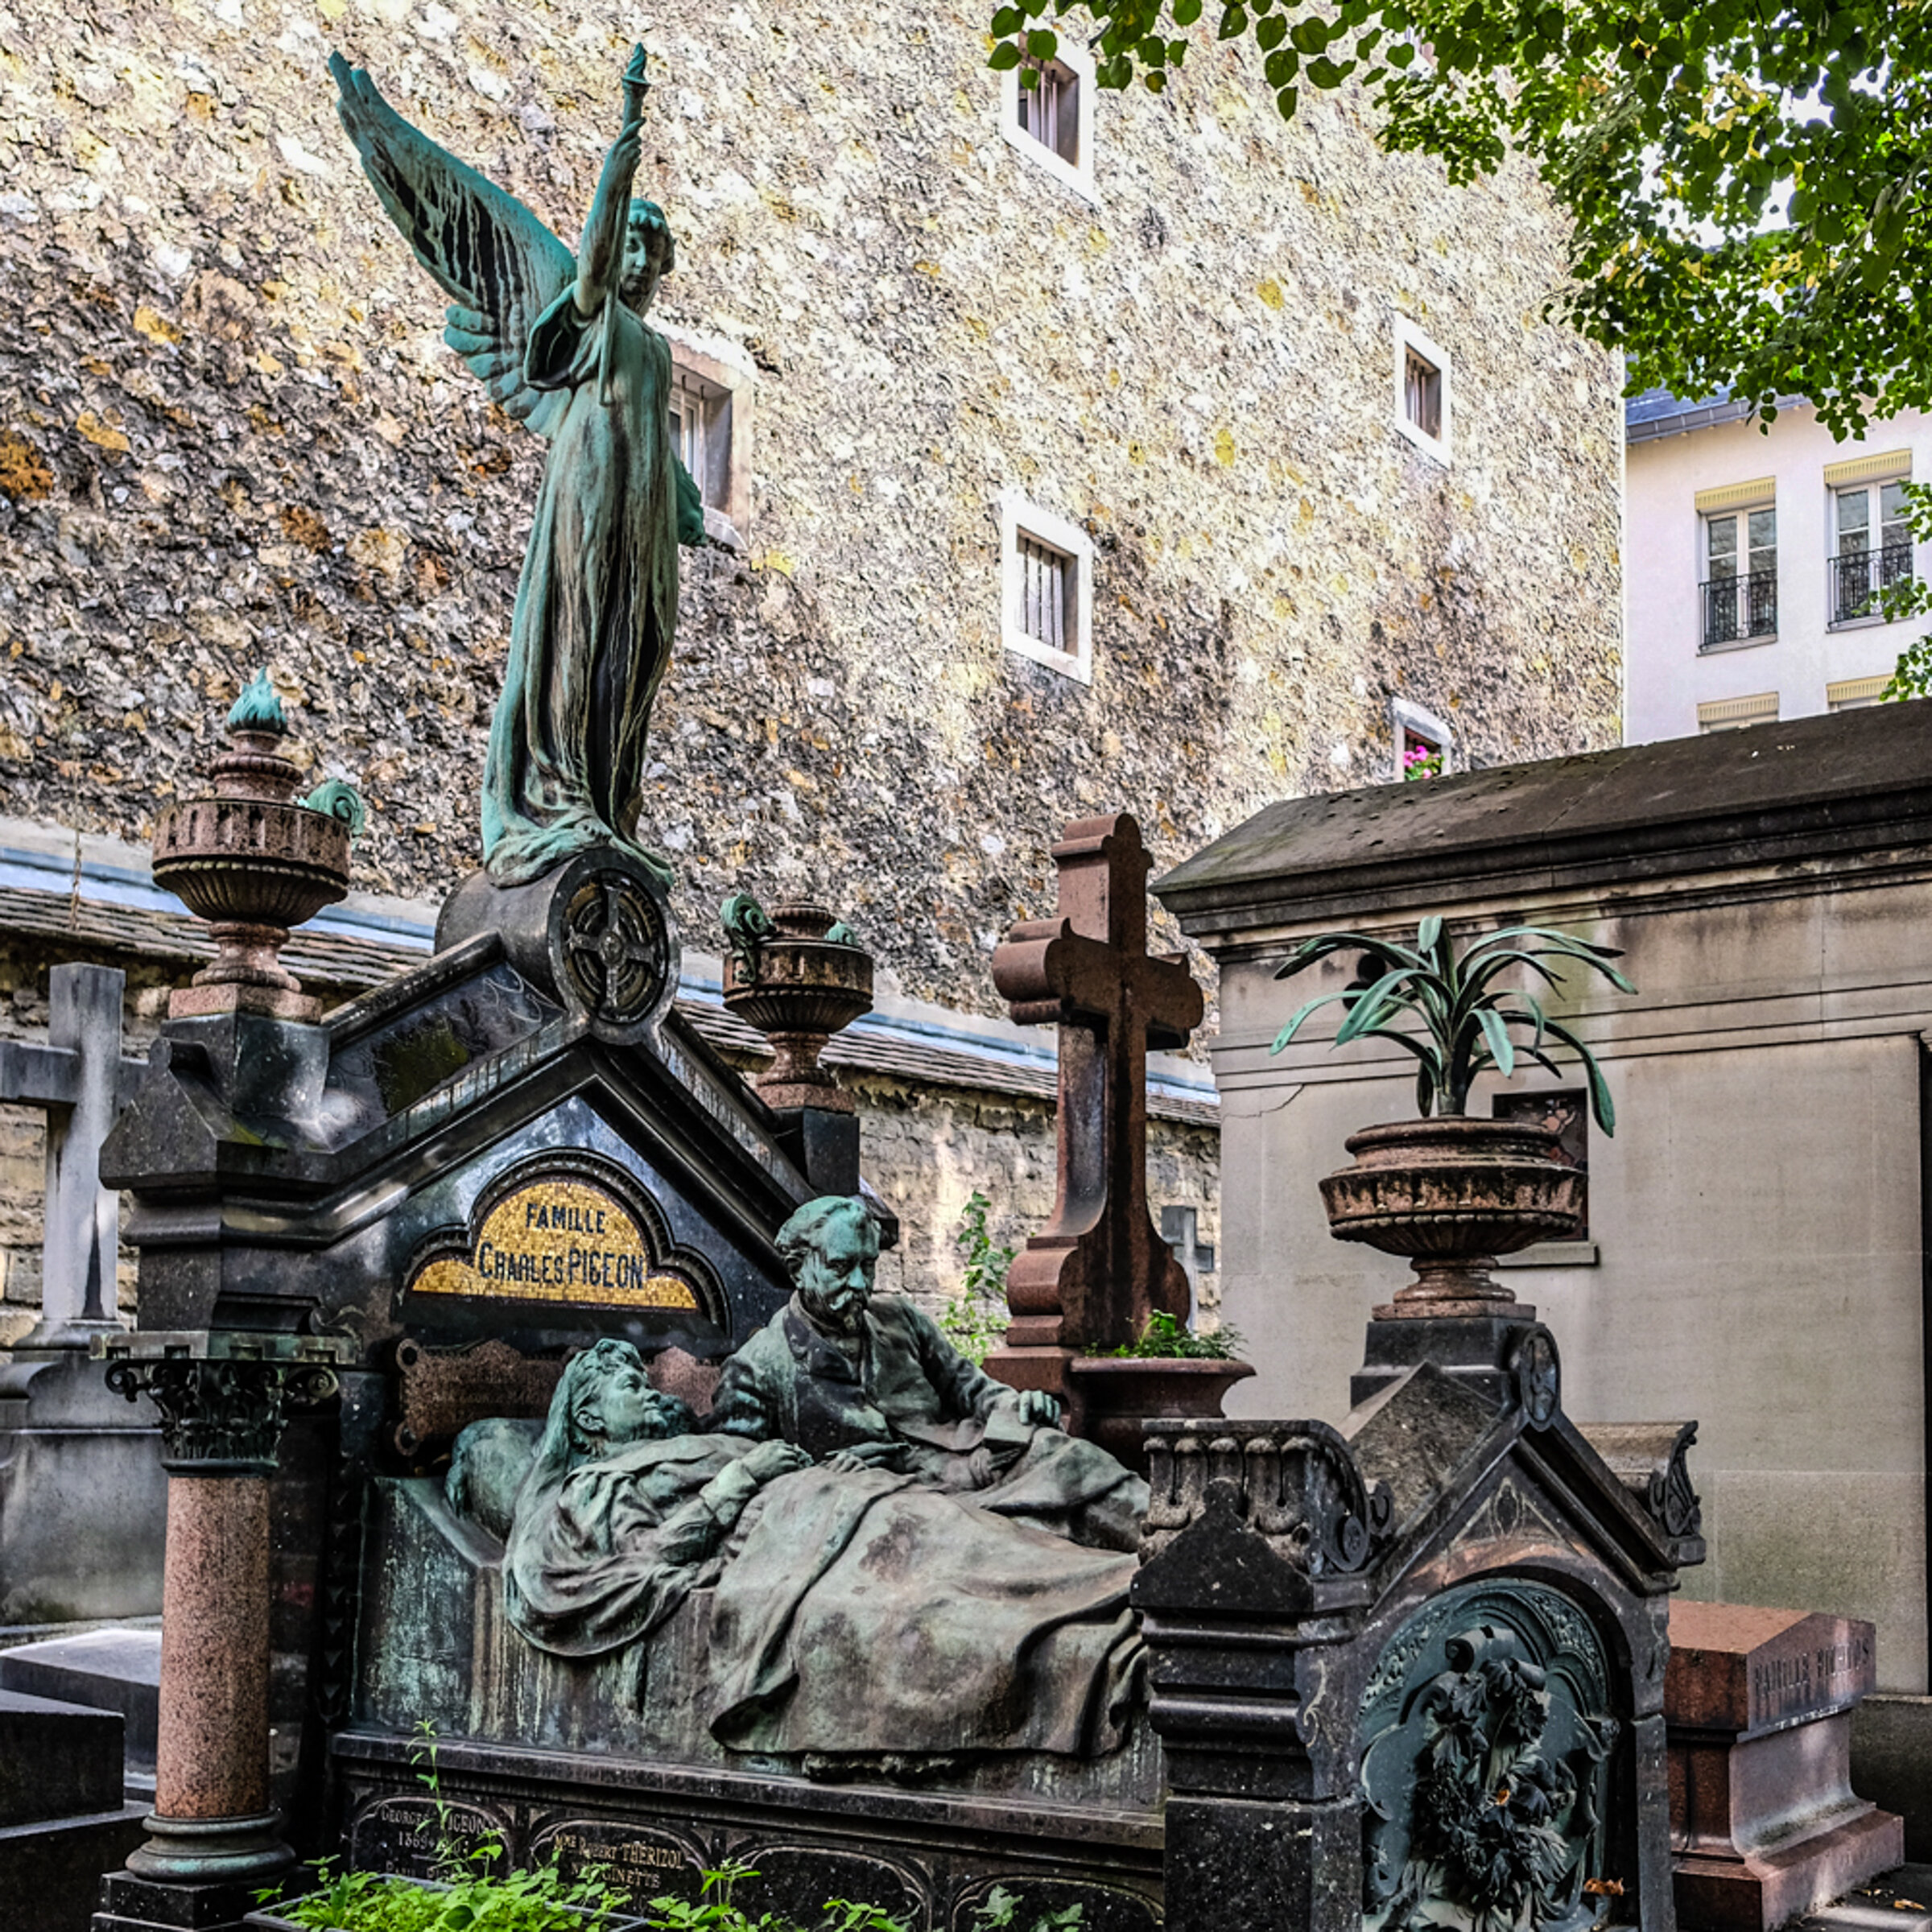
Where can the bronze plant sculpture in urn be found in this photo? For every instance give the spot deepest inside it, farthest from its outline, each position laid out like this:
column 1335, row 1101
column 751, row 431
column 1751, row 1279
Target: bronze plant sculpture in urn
column 800, row 975
column 1449, row 1192
column 254, row 862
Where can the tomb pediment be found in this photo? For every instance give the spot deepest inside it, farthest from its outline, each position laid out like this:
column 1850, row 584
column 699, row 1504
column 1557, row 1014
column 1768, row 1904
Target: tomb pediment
column 467, row 1152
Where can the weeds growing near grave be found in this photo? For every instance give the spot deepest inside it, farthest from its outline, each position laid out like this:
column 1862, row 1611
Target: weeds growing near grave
column 463, row 1894
column 1466, row 1021
column 716, row 1910
column 1165, row 1338
column 464, row 1897
column 975, row 1320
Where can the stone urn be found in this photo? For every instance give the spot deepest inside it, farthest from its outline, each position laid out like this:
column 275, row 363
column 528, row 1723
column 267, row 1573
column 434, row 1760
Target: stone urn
column 1118, row 1395
column 253, row 863
column 1452, row 1194
column 799, row 982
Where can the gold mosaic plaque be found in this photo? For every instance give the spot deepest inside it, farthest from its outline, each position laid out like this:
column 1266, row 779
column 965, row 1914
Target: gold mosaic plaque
column 558, row 1240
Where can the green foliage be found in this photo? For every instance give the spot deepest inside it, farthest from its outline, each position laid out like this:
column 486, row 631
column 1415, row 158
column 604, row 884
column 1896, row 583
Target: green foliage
column 1466, row 1020
column 539, row 1900
column 1165, row 1336
column 466, row 1897
column 1911, row 597
column 975, row 1320
column 465, row 1894
column 1747, row 183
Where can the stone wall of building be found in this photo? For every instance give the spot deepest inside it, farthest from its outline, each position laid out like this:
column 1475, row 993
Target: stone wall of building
column 229, row 433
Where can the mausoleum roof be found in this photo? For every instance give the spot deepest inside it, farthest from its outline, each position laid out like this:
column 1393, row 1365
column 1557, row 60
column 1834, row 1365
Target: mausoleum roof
column 1816, row 788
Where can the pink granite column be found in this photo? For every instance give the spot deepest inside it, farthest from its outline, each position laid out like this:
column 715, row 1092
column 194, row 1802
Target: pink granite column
column 223, row 1400
column 213, row 1761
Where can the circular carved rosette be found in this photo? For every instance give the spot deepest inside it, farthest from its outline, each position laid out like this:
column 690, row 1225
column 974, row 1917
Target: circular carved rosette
column 613, row 951
column 1539, row 1376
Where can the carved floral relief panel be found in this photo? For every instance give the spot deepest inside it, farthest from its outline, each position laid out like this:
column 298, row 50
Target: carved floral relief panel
column 1488, row 1753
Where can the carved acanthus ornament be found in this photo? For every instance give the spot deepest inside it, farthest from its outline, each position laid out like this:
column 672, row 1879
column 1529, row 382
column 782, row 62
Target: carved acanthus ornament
column 224, row 1399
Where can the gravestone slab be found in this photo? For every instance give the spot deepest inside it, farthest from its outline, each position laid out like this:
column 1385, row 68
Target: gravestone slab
column 63, row 1819
column 113, row 1670
column 1758, row 1704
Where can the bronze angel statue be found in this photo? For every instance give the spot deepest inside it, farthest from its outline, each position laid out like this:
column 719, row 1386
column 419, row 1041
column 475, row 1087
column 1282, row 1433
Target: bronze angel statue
column 561, row 343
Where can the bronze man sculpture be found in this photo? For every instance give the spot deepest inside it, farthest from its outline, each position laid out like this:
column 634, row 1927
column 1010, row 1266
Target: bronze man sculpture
column 560, row 343
column 863, row 1380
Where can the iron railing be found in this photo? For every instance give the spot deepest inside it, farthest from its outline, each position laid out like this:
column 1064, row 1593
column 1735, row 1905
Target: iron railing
column 1737, row 608
column 1859, row 575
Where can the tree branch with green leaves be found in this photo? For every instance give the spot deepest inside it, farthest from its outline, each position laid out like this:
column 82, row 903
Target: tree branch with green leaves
column 1746, row 184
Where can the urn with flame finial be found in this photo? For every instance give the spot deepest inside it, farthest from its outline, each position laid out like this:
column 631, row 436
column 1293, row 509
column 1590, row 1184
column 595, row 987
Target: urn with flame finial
column 254, row 862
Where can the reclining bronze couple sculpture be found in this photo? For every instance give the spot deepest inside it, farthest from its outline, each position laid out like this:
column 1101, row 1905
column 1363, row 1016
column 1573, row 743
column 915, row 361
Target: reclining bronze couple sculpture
column 908, row 1559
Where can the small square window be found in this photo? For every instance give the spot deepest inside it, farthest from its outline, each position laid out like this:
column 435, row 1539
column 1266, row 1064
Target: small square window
column 1422, row 741
column 1050, row 109
column 1047, row 587
column 1567, row 1110
column 1049, row 123
column 1422, row 403
column 700, row 432
column 710, row 407
column 1422, row 394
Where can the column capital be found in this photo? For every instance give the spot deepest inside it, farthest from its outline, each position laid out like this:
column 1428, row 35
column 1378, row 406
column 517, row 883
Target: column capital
column 224, row 1395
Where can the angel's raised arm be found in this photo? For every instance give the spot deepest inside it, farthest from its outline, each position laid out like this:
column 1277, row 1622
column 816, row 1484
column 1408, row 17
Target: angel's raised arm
column 499, row 264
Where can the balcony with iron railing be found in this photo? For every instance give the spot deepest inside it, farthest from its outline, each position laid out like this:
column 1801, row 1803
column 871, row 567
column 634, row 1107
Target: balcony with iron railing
column 1856, row 577
column 1740, row 610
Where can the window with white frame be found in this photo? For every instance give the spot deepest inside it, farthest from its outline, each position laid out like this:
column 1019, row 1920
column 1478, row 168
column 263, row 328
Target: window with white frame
column 1873, row 546
column 1047, row 113
column 1422, row 741
column 1050, row 107
column 711, row 409
column 700, row 432
column 1047, row 587
column 1422, row 403
column 1740, row 577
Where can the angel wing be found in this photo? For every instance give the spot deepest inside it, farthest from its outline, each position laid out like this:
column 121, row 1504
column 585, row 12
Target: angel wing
column 499, row 264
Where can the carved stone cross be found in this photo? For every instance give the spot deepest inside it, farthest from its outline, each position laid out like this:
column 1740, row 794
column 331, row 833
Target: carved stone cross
column 78, row 1077
column 1087, row 1282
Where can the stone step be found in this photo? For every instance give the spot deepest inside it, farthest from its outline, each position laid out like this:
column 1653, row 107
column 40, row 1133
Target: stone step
column 50, row 1872
column 1898, row 1900
column 117, row 1670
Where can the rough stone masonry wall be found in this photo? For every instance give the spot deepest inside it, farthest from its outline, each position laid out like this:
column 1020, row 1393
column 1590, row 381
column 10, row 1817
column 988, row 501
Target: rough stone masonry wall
column 230, row 432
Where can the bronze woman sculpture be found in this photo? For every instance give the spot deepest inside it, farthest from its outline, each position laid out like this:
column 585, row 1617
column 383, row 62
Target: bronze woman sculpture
column 560, row 343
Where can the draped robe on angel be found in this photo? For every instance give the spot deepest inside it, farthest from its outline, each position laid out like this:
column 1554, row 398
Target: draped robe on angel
column 598, row 603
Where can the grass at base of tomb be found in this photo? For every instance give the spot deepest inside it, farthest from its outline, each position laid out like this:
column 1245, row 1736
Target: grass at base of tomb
column 466, row 1896
column 542, row 1899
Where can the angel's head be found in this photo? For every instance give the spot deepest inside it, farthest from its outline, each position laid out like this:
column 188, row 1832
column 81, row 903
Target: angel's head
column 650, row 254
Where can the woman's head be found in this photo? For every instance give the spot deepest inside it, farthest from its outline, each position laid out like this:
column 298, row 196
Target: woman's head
column 605, row 1401
column 650, row 254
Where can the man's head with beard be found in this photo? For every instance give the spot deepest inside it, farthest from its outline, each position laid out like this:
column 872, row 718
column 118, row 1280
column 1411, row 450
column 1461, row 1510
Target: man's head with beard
column 831, row 1247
